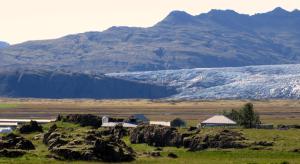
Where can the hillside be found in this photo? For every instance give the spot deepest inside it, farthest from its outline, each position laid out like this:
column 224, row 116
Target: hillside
column 180, row 41
column 62, row 84
column 252, row 82
column 3, row 44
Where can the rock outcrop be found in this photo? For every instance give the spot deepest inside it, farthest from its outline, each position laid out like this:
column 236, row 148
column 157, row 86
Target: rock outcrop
column 117, row 132
column 192, row 140
column 13, row 145
column 222, row 139
column 93, row 146
column 33, row 126
column 13, row 141
column 157, row 136
column 82, row 119
column 11, row 153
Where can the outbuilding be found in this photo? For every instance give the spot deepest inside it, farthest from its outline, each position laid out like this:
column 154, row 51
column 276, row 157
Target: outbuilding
column 217, row 120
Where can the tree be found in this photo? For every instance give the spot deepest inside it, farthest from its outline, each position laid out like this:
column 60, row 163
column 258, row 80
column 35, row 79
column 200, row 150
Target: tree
column 177, row 122
column 245, row 117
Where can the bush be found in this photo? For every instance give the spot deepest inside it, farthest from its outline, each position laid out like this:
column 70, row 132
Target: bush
column 177, row 122
column 245, row 117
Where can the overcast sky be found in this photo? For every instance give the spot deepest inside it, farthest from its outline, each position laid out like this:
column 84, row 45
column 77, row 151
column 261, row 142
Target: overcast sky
column 23, row 20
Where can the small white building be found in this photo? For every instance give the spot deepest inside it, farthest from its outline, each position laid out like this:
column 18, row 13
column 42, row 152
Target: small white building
column 217, row 120
column 162, row 123
column 105, row 119
column 113, row 124
column 22, row 121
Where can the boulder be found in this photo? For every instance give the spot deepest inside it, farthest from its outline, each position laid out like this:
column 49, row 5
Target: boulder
column 155, row 135
column 72, row 153
column 155, row 154
column 158, row 149
column 50, row 131
column 82, row 119
column 192, row 128
column 93, row 146
column 118, row 132
column 222, row 139
column 264, row 143
column 13, row 141
column 172, row 155
column 110, row 150
column 33, row 126
column 25, row 145
column 11, row 153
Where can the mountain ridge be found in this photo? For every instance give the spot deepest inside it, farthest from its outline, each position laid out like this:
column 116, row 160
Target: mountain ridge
column 32, row 83
column 3, row 44
column 214, row 39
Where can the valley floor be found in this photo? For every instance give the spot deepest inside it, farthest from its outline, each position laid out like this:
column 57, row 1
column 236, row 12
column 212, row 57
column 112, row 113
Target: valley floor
column 272, row 112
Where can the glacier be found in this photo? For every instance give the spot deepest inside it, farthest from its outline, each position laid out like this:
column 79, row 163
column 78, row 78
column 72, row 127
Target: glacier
column 249, row 82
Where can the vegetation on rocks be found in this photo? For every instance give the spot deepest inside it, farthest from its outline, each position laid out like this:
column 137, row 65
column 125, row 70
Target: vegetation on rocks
column 13, row 145
column 91, row 146
column 82, row 119
column 32, row 126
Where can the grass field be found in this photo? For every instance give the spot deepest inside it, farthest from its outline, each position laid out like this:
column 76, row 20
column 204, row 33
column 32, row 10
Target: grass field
column 285, row 142
column 8, row 106
column 274, row 112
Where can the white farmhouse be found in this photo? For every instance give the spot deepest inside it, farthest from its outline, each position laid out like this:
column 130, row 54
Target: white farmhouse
column 217, row 120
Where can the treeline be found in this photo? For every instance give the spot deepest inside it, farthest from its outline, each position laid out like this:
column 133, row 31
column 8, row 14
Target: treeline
column 246, row 116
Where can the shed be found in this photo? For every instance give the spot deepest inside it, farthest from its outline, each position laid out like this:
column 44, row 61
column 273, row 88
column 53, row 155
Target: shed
column 162, row 123
column 105, row 119
column 113, row 124
column 218, row 120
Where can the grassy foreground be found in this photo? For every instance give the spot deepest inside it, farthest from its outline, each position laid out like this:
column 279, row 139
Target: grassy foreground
column 285, row 141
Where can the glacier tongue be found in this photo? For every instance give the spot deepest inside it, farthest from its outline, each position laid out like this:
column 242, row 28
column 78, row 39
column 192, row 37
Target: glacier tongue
column 251, row 82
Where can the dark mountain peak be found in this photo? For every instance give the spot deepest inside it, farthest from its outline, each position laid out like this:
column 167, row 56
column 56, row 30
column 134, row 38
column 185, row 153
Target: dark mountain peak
column 296, row 11
column 222, row 12
column 278, row 11
column 179, row 13
column 178, row 17
column 3, row 44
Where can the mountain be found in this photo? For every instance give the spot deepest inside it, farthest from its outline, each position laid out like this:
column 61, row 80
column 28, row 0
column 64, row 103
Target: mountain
column 219, row 38
column 64, row 84
column 250, row 82
column 3, row 44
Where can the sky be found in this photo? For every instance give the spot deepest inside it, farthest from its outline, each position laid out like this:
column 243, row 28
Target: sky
column 23, row 20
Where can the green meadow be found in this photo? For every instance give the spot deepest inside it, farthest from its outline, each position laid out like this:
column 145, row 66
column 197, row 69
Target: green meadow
column 285, row 141
column 7, row 106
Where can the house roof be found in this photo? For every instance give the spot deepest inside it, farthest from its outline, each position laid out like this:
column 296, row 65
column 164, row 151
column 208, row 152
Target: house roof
column 218, row 119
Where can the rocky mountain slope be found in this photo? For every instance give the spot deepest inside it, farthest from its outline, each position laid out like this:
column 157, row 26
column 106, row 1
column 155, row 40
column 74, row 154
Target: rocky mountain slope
column 214, row 39
column 251, row 82
column 62, row 84
column 3, row 44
